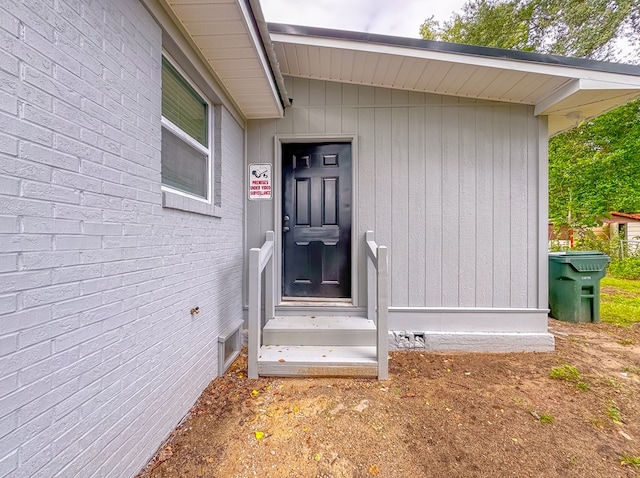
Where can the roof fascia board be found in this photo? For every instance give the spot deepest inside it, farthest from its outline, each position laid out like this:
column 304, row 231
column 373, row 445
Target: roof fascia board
column 564, row 92
column 547, row 105
column 165, row 17
column 261, row 25
column 260, row 48
column 513, row 64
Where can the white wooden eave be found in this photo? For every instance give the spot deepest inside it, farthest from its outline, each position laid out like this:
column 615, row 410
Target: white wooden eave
column 227, row 34
column 566, row 94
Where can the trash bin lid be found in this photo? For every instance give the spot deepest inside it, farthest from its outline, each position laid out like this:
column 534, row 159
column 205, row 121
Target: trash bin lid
column 581, row 261
column 577, row 253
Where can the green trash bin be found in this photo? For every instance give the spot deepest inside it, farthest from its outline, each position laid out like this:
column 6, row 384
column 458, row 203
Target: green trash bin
column 574, row 285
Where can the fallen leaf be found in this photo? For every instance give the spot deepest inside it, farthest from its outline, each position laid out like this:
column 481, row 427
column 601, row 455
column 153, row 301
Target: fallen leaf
column 282, row 360
column 209, row 460
column 374, row 470
column 254, row 393
column 165, row 454
column 625, row 435
column 317, row 456
column 259, row 435
column 240, row 375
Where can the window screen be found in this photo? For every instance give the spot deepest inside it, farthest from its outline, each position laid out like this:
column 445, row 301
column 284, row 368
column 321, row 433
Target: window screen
column 183, row 166
column 185, row 134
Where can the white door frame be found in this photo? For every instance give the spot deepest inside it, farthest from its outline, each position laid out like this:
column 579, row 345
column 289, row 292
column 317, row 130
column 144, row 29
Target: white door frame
column 281, row 139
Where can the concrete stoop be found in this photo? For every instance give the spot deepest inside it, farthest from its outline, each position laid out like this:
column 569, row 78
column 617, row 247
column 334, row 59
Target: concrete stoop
column 318, row 346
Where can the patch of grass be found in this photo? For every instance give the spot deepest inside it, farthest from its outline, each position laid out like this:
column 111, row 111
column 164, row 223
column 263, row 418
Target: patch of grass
column 546, row 418
column 632, row 369
column 583, row 386
column 620, row 301
column 615, row 384
column 614, row 413
column 543, row 417
column 630, row 460
column 626, row 342
column 568, row 373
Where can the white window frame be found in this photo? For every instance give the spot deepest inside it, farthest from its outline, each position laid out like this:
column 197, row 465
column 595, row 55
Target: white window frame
column 172, row 197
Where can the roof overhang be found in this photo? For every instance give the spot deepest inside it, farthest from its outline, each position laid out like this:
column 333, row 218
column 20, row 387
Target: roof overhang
column 232, row 37
column 567, row 90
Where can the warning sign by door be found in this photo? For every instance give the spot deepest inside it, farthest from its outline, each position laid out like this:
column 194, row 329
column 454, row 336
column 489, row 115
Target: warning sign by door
column 260, row 181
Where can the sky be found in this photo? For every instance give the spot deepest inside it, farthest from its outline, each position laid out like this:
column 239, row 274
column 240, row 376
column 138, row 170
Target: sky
column 388, row 17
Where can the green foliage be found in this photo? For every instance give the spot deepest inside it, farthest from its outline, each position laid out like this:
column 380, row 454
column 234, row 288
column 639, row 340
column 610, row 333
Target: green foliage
column 582, row 28
column 567, row 373
column 632, row 369
column 546, row 418
column 594, row 168
column 614, row 414
column 630, row 460
column 488, row 23
column 570, row 374
column 628, row 268
column 583, row 386
column 586, row 240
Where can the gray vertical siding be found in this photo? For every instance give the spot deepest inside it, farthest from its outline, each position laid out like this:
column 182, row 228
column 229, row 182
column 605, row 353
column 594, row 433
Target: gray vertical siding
column 449, row 185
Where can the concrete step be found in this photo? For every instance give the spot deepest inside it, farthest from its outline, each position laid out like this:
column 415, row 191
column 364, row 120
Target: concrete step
column 317, row 361
column 319, row 330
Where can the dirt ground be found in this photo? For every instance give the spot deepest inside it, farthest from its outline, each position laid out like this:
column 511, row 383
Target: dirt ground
column 439, row 415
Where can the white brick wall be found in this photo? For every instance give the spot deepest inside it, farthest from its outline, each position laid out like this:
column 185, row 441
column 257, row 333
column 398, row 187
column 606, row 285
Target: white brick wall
column 99, row 356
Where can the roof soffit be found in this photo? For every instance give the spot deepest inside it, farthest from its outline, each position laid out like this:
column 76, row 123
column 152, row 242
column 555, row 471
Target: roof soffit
column 227, row 36
column 565, row 89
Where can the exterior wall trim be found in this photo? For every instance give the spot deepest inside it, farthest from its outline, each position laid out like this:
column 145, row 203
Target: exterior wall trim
column 472, row 329
column 468, row 319
column 279, row 140
column 543, row 211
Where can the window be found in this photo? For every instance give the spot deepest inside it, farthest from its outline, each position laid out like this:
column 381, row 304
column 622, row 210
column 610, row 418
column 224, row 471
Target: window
column 186, row 136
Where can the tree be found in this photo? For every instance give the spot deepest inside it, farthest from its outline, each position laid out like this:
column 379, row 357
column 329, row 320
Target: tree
column 594, row 168
column 580, row 28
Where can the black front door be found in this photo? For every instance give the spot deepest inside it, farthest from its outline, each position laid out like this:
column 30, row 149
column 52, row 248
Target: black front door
column 316, row 220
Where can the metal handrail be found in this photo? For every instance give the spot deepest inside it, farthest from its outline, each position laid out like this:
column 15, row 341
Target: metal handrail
column 378, row 299
column 259, row 260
